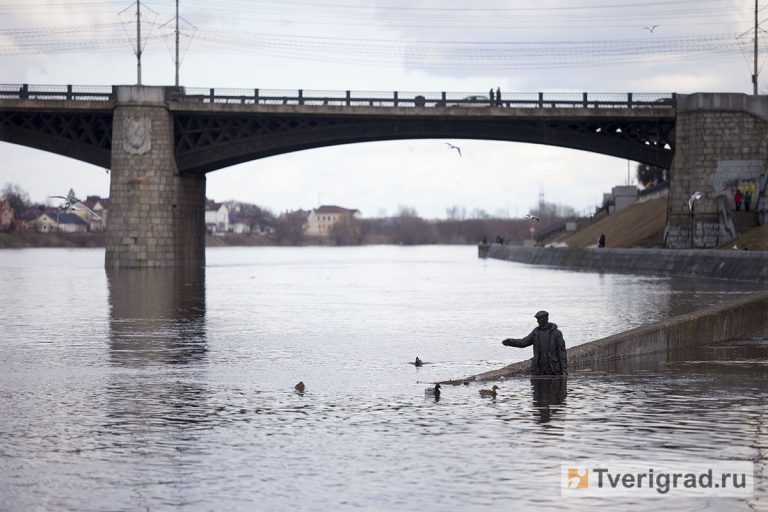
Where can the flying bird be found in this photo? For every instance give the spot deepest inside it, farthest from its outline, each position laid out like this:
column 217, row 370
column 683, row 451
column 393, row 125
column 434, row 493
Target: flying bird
column 73, row 203
column 695, row 197
column 532, row 217
column 457, row 148
column 651, row 28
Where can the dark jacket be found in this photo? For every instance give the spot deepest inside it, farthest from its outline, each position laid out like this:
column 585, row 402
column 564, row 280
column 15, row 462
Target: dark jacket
column 549, row 357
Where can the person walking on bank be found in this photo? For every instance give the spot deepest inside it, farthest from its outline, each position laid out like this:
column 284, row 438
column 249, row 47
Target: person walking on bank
column 737, row 199
column 498, row 96
column 549, row 355
column 747, row 200
column 601, row 240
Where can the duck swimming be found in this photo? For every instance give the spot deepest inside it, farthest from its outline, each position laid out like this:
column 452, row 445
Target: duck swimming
column 418, row 362
column 299, row 387
column 435, row 391
column 489, row 392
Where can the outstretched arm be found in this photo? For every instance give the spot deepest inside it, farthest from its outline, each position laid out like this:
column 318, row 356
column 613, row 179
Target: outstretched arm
column 521, row 343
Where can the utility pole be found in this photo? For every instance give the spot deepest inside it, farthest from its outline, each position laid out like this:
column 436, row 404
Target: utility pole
column 138, row 41
column 754, row 75
column 177, row 43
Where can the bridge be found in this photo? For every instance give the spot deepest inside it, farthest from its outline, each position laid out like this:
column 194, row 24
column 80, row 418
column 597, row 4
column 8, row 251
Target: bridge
column 159, row 143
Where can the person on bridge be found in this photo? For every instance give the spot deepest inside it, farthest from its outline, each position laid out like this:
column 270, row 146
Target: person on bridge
column 549, row 356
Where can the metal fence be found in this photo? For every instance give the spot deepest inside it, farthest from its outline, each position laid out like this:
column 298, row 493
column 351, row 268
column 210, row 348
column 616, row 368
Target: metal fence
column 57, row 92
column 424, row 99
column 353, row 98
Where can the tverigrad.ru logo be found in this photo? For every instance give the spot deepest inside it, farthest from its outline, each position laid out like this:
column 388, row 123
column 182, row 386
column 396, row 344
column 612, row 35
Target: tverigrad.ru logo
column 657, row 478
column 578, row 478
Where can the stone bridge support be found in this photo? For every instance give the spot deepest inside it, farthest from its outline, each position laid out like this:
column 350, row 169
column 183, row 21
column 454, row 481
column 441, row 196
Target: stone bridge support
column 722, row 143
column 157, row 215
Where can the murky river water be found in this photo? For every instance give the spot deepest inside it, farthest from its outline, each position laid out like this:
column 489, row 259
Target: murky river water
column 145, row 390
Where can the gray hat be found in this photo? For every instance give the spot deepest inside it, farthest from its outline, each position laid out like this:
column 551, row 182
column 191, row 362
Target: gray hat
column 541, row 313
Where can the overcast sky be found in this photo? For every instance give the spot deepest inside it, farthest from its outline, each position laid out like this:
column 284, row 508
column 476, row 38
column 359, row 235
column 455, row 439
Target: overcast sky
column 682, row 46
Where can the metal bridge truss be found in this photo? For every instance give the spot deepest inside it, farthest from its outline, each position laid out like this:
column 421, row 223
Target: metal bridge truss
column 86, row 136
column 205, row 142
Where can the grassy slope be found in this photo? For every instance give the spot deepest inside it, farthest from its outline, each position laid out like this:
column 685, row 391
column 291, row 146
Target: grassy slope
column 639, row 225
column 755, row 239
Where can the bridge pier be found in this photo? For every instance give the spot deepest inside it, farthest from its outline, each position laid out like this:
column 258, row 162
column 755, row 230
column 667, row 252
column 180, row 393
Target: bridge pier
column 156, row 214
column 721, row 145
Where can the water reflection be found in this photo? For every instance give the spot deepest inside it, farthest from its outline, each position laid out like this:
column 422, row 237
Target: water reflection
column 549, row 394
column 157, row 316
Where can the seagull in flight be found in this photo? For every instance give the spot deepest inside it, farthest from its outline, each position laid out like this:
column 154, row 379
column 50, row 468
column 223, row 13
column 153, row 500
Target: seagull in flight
column 695, row 197
column 532, row 217
column 73, row 203
column 457, row 148
column 651, row 28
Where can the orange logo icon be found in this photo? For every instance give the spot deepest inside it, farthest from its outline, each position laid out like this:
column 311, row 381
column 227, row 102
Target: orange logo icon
column 578, row 478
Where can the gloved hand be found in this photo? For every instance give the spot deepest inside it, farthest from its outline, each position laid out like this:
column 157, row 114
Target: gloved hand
column 507, row 342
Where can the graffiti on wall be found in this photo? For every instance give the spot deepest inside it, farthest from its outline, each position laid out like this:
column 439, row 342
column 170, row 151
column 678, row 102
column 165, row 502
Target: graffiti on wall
column 733, row 184
column 743, row 175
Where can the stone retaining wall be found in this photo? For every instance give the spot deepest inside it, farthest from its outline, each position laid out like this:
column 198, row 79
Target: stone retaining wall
column 740, row 265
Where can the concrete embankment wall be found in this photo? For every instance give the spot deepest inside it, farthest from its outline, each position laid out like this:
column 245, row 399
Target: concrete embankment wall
column 739, row 265
column 659, row 341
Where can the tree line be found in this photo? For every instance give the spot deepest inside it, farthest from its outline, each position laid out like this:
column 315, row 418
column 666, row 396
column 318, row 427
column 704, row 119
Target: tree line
column 405, row 227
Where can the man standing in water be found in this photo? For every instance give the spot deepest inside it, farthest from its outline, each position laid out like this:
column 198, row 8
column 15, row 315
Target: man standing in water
column 549, row 357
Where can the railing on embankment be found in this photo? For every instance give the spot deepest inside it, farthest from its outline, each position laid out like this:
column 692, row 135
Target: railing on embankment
column 658, row 342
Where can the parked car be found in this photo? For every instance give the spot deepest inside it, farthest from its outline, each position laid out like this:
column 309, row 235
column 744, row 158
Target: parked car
column 477, row 100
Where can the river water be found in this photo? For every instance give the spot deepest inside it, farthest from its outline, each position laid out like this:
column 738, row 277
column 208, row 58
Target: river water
column 153, row 390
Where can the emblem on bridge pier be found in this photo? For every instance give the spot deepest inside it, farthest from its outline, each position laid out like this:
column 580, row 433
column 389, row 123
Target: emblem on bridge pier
column 138, row 140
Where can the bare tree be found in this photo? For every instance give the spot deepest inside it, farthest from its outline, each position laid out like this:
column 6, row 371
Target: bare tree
column 16, row 196
column 456, row 212
column 289, row 227
column 406, row 212
column 348, row 231
column 649, row 174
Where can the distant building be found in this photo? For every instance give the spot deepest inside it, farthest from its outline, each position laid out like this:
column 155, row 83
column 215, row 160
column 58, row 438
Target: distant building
column 6, row 216
column 25, row 221
column 60, row 221
column 100, row 206
column 322, row 219
column 216, row 217
column 239, row 224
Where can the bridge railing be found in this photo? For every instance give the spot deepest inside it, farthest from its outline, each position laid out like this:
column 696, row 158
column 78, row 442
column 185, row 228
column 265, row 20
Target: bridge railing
column 56, row 92
column 354, row 98
column 424, row 99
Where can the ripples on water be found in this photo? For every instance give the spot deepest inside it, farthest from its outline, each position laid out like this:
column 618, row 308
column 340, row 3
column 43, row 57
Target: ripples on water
column 149, row 390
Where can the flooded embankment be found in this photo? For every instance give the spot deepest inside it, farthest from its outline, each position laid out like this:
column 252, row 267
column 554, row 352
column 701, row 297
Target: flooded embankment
column 677, row 339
